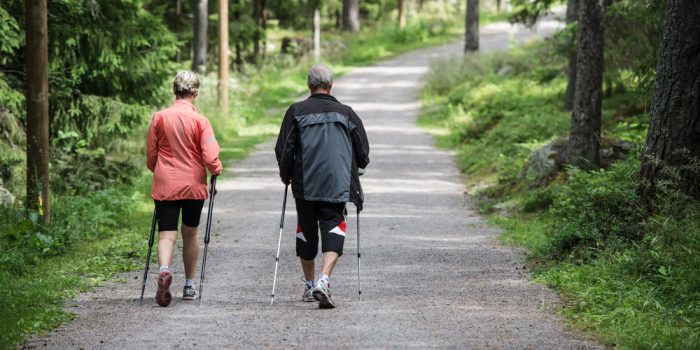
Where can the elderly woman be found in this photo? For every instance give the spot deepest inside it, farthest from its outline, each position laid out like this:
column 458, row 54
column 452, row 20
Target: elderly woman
column 181, row 147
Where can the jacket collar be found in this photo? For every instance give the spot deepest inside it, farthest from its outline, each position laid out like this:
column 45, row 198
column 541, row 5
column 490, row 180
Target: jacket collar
column 183, row 102
column 323, row 96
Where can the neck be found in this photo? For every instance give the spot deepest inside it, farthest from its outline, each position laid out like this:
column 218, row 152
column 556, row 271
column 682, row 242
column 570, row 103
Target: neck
column 321, row 91
column 189, row 99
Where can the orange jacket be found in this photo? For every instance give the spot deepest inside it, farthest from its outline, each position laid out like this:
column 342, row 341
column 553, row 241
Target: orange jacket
column 180, row 144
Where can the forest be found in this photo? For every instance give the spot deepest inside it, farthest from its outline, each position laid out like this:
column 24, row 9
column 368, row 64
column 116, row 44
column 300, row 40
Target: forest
column 582, row 147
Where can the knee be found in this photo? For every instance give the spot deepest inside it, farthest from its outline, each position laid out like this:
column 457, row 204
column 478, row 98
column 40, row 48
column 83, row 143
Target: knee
column 189, row 232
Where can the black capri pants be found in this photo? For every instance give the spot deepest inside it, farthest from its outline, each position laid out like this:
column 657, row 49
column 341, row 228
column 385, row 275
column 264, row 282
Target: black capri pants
column 168, row 213
column 329, row 217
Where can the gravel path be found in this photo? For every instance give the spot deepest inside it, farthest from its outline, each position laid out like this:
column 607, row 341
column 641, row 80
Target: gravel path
column 434, row 274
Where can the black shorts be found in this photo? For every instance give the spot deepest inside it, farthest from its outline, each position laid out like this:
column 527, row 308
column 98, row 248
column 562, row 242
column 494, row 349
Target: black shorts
column 329, row 217
column 168, row 213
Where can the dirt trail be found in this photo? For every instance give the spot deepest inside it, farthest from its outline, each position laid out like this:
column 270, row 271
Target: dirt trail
column 434, row 274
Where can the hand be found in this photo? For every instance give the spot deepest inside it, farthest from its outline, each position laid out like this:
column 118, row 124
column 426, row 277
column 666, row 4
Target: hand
column 285, row 182
column 360, row 171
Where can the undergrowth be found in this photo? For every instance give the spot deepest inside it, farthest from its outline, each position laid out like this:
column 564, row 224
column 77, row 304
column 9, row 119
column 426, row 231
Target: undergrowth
column 629, row 277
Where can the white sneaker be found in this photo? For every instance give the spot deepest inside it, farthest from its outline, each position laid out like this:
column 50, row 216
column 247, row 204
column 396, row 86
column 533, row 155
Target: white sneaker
column 308, row 295
column 322, row 293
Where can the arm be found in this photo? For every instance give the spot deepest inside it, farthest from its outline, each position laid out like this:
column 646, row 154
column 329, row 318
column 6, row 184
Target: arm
column 152, row 144
column 360, row 144
column 286, row 146
column 210, row 148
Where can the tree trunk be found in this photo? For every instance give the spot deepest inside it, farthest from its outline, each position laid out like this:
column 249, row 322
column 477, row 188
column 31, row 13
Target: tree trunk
column 201, row 16
column 583, row 147
column 237, row 19
column 351, row 16
column 471, row 35
column 317, row 35
column 37, row 73
column 498, row 5
column 402, row 14
column 263, row 27
column 256, row 35
column 673, row 140
column 571, row 17
column 223, row 58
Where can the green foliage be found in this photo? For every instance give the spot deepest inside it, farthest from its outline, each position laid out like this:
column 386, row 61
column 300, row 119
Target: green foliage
column 630, row 277
column 597, row 210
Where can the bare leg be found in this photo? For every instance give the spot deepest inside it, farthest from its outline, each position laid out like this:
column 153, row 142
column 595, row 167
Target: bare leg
column 308, row 266
column 166, row 243
column 329, row 261
column 190, row 250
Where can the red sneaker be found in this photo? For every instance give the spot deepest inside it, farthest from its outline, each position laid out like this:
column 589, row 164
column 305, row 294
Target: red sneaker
column 163, row 296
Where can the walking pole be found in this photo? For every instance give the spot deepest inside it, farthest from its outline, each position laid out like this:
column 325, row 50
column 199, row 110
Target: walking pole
column 212, row 193
column 148, row 256
column 359, row 285
column 279, row 243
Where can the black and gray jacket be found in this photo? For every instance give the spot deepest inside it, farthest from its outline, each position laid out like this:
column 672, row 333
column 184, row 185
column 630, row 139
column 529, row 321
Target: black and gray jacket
column 320, row 146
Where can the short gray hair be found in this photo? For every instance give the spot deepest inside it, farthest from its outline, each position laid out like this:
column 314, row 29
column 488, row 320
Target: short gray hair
column 320, row 77
column 186, row 83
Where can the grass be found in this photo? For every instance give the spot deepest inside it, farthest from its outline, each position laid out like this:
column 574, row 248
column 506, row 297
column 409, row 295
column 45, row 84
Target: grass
column 629, row 278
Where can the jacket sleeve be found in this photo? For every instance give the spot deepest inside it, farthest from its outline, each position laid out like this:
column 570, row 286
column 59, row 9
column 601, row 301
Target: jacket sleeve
column 210, row 148
column 286, row 146
column 360, row 144
column 152, row 144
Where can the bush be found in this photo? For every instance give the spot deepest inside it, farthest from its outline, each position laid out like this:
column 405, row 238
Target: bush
column 596, row 210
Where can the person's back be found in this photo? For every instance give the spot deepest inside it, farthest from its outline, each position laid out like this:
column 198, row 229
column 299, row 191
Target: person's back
column 182, row 138
column 327, row 132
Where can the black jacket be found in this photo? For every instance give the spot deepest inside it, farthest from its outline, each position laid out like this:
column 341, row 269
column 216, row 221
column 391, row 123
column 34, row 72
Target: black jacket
column 320, row 146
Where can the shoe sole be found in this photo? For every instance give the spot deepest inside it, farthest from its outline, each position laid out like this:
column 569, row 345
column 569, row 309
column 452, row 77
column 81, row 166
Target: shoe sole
column 324, row 301
column 163, row 295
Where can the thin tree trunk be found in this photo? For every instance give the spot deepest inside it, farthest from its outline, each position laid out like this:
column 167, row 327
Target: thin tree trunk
column 237, row 19
column 583, row 148
column 256, row 35
column 351, row 16
column 201, row 15
column 317, row 35
column 37, row 73
column 263, row 27
column 178, row 29
column 673, row 141
column 471, row 35
column 571, row 17
column 223, row 58
column 402, row 14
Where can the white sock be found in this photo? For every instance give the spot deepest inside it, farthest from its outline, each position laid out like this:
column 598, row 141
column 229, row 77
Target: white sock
column 189, row 283
column 325, row 278
column 163, row 268
column 310, row 284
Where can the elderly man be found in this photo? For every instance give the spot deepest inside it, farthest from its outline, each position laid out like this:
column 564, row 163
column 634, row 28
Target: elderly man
column 321, row 146
column 181, row 147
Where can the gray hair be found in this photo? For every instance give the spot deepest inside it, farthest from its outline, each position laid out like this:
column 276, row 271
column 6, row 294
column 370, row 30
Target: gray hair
column 320, row 77
column 186, row 83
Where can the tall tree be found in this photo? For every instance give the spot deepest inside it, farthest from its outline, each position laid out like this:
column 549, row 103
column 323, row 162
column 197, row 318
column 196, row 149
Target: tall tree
column 351, row 16
column 673, row 141
column 201, row 16
column 402, row 13
column 583, row 147
column 571, row 18
column 317, row 35
column 37, row 73
column 223, row 57
column 471, row 34
column 257, row 14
